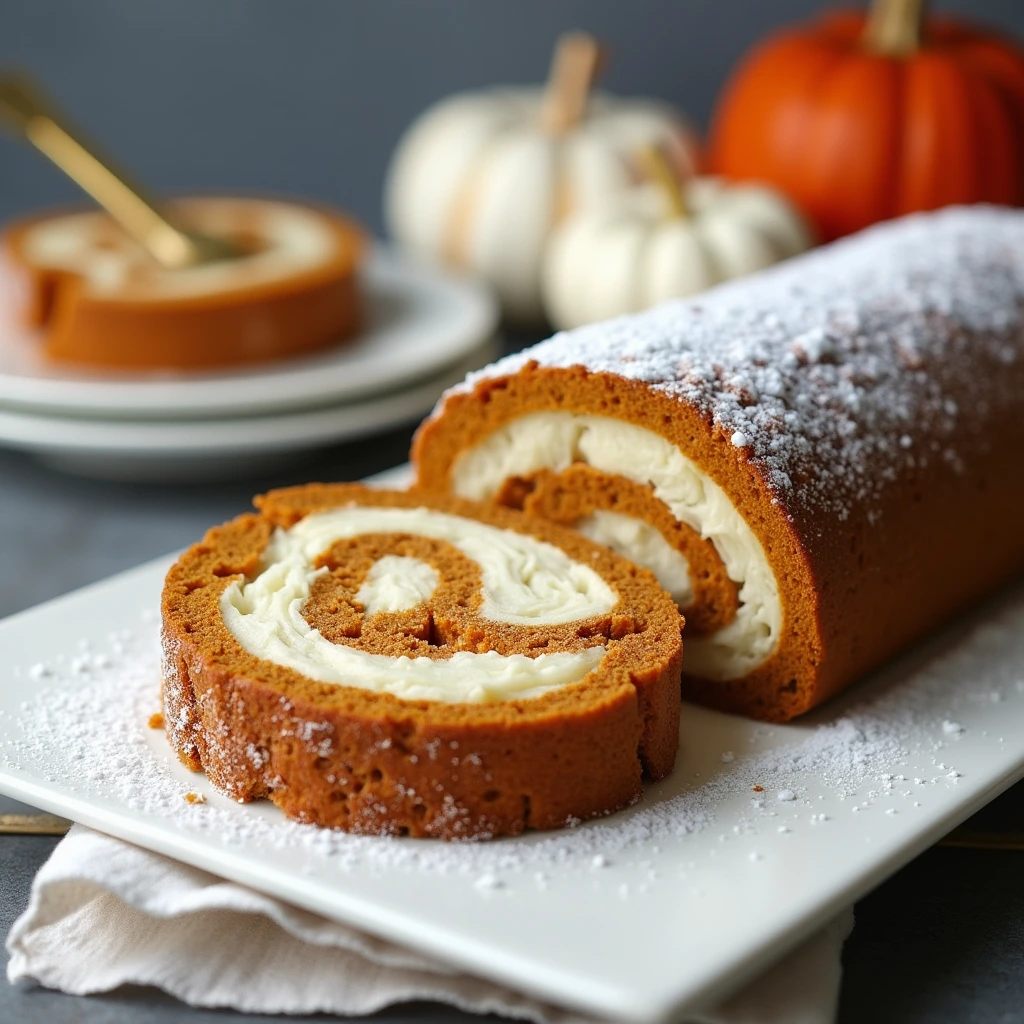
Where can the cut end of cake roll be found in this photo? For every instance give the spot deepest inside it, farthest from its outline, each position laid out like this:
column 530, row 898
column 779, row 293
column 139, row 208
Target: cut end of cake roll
column 414, row 664
column 634, row 471
column 819, row 462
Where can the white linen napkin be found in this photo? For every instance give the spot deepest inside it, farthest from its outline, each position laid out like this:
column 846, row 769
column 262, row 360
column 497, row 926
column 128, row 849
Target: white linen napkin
column 104, row 913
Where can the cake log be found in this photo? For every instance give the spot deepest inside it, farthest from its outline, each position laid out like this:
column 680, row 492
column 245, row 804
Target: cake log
column 846, row 431
column 386, row 662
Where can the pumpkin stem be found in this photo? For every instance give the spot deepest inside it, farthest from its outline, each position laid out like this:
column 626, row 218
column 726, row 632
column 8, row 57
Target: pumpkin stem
column 893, row 27
column 657, row 167
column 577, row 61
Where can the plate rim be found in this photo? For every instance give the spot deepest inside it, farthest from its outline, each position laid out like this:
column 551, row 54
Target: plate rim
column 225, row 436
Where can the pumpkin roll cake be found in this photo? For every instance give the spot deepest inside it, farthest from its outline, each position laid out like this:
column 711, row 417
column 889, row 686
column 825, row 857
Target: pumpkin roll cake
column 819, row 462
column 391, row 662
column 100, row 299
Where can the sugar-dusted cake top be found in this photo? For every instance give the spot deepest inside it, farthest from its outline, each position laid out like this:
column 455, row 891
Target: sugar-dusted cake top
column 841, row 369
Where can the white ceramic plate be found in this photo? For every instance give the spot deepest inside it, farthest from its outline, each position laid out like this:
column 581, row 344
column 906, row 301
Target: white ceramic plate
column 421, row 320
column 192, row 450
column 653, row 911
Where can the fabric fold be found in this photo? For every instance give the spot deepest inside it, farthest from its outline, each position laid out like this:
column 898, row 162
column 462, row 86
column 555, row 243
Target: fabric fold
column 104, row 913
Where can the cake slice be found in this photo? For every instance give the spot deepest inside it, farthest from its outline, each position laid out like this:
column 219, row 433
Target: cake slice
column 101, row 300
column 407, row 663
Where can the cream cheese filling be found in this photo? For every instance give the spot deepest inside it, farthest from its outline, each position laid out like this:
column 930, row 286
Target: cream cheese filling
column 525, row 581
column 555, row 440
column 643, row 544
column 396, row 583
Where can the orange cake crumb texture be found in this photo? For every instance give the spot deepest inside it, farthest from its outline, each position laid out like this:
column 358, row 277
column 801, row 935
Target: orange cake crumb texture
column 372, row 763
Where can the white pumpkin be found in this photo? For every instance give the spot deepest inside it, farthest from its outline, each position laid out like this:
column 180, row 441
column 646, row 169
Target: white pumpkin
column 654, row 244
column 480, row 179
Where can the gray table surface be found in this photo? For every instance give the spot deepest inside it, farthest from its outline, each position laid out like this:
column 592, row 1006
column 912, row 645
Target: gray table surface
column 942, row 942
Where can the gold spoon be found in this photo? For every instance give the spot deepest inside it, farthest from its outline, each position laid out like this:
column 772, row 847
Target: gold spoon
column 27, row 110
column 33, row 825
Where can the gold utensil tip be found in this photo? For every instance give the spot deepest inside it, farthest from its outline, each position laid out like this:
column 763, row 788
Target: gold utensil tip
column 33, row 825
column 30, row 113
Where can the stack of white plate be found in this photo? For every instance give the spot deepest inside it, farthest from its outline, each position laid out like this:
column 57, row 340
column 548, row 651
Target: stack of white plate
column 424, row 331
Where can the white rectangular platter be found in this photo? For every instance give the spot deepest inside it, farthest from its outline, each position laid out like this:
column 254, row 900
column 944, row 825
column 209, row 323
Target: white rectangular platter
column 761, row 834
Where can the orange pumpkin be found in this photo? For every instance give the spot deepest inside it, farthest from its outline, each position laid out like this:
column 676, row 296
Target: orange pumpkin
column 862, row 118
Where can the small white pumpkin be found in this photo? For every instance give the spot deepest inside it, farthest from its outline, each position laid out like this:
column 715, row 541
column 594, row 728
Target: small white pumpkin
column 481, row 178
column 664, row 241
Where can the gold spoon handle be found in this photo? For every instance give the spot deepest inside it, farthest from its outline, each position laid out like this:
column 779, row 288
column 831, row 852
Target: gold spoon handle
column 28, row 111
column 967, row 839
column 33, row 825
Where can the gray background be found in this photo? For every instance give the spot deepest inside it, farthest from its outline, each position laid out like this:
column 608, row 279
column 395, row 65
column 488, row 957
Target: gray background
column 308, row 97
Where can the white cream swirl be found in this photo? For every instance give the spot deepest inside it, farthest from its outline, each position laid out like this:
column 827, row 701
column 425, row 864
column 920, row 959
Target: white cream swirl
column 396, row 583
column 643, row 544
column 555, row 440
column 525, row 581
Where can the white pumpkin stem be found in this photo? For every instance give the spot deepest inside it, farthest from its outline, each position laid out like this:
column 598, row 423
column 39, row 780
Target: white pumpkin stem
column 894, row 27
column 658, row 168
column 577, row 61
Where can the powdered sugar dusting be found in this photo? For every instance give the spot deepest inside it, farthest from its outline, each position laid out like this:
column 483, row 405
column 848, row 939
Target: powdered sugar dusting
column 842, row 370
column 886, row 744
